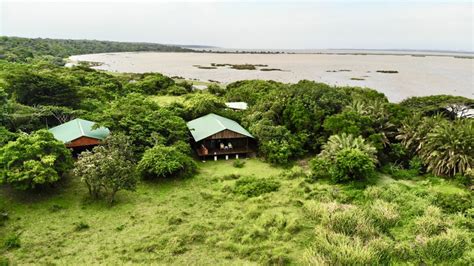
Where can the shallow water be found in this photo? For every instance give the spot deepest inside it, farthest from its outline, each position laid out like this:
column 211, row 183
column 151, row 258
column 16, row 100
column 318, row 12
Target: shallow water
column 417, row 75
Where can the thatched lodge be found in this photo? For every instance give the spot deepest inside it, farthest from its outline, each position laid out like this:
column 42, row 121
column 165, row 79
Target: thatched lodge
column 214, row 135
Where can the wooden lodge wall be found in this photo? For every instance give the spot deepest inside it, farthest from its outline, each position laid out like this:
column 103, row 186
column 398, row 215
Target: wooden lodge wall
column 227, row 134
column 82, row 141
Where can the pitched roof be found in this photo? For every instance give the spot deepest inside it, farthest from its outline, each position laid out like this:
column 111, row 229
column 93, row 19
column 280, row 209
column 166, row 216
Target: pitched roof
column 237, row 105
column 211, row 124
column 77, row 128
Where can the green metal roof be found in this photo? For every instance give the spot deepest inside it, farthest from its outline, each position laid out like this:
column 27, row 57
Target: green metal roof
column 211, row 124
column 77, row 128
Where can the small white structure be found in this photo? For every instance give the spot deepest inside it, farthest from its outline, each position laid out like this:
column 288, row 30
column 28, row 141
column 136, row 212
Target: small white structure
column 237, row 105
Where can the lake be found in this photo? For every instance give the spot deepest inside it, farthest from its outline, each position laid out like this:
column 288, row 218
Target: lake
column 418, row 75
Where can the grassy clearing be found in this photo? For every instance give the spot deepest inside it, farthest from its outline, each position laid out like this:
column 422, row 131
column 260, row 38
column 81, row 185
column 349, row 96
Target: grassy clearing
column 203, row 220
column 167, row 99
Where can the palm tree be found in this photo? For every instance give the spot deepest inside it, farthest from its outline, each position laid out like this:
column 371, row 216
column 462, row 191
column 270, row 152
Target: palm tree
column 449, row 147
column 415, row 129
column 337, row 143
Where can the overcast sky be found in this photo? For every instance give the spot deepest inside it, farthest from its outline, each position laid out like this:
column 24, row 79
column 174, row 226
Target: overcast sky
column 263, row 24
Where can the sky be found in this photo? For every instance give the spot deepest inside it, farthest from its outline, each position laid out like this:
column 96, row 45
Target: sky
column 264, row 24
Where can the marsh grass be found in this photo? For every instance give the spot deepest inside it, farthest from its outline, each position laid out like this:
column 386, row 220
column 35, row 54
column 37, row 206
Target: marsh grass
column 200, row 220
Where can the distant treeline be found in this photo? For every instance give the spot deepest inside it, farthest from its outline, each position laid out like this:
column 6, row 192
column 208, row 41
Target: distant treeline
column 16, row 49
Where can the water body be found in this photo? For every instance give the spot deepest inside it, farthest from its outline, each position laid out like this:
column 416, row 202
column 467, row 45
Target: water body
column 418, row 75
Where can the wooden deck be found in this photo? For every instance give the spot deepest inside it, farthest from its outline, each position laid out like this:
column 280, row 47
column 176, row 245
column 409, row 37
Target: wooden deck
column 218, row 152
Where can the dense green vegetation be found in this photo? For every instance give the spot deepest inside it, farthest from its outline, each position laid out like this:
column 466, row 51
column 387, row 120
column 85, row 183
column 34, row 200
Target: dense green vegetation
column 16, row 49
column 342, row 176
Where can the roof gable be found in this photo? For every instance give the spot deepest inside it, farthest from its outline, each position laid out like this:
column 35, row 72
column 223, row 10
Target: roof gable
column 77, row 128
column 211, row 124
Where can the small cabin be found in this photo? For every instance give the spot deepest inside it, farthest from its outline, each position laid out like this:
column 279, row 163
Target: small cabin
column 78, row 134
column 214, row 135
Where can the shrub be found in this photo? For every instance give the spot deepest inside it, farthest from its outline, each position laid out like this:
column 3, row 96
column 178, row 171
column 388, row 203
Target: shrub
column 330, row 248
column 231, row 177
column 448, row 148
column 319, row 168
column 216, row 89
column 350, row 165
column 162, row 161
column 251, row 186
column 150, row 83
column 200, row 104
column 351, row 222
column 384, row 214
column 454, row 201
column 4, row 261
column 108, row 168
column 3, row 216
column 12, row 241
column 176, row 90
column 34, row 160
column 447, row 246
column 81, row 226
column 294, row 173
column 467, row 179
column 337, row 143
column 431, row 223
column 238, row 163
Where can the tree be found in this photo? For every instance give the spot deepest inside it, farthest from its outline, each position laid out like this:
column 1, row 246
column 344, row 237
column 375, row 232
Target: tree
column 337, row 143
column 144, row 121
column 414, row 131
column 349, row 122
column 6, row 136
column 345, row 158
column 34, row 160
column 276, row 143
column 250, row 91
column 32, row 87
column 448, row 105
column 216, row 89
column 449, row 148
column 150, row 83
column 109, row 168
column 162, row 161
column 200, row 104
column 350, row 165
column 3, row 106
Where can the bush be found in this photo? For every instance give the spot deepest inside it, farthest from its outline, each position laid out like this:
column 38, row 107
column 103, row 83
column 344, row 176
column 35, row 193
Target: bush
column 150, row 83
column 176, row 90
column 454, row 201
column 81, row 226
column 238, row 163
column 398, row 172
column 4, row 261
column 384, row 214
column 467, row 179
column 251, row 186
column 337, row 143
column 331, row 248
column 12, row 241
column 216, row 89
column 319, row 168
column 431, row 223
column 294, row 173
column 351, row 165
column 351, row 222
column 3, row 216
column 34, row 160
column 445, row 247
column 162, row 161
column 108, row 168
